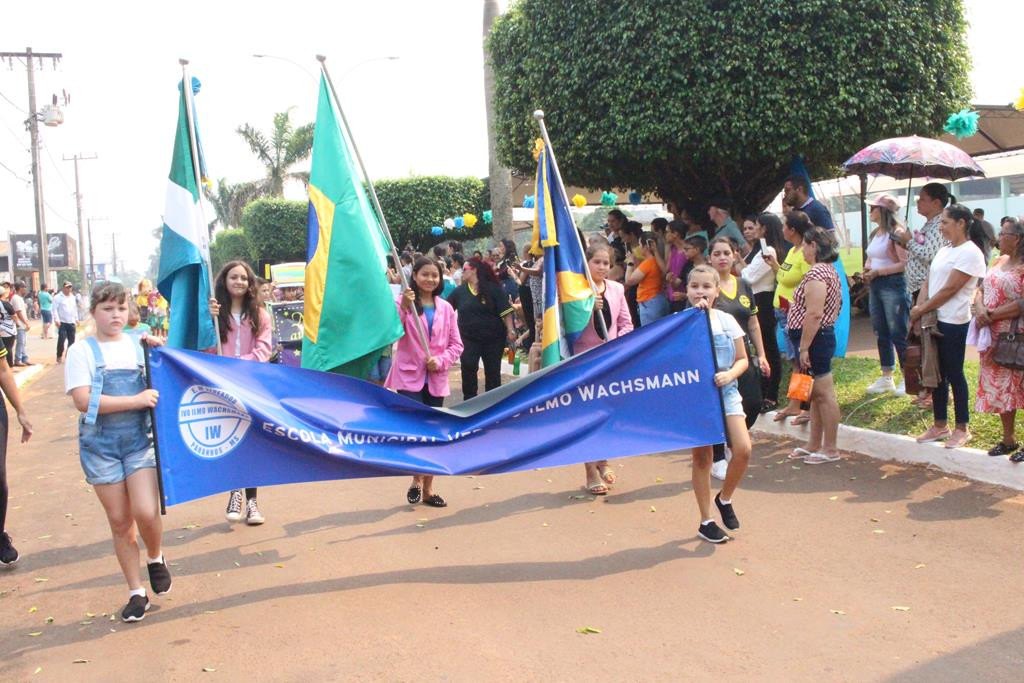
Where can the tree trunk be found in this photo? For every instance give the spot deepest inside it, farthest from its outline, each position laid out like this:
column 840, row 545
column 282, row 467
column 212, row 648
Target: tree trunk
column 500, row 179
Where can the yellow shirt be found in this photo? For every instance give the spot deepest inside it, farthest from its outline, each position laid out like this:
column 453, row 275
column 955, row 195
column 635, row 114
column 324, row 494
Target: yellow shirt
column 791, row 272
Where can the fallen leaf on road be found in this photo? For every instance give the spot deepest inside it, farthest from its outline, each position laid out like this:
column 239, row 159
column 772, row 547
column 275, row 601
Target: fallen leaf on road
column 833, row 497
column 49, row 620
column 80, row 661
column 190, row 526
column 38, row 669
column 549, row 481
column 477, row 488
column 654, row 509
column 237, row 565
column 900, row 608
column 919, row 565
column 279, row 566
column 90, row 615
column 578, row 497
column 41, row 579
column 209, row 611
column 545, row 524
column 421, row 525
column 85, row 623
column 44, row 537
column 658, row 480
column 878, row 531
column 798, row 599
column 36, row 633
column 738, row 572
column 874, row 519
column 837, row 611
column 32, row 609
column 588, row 629
column 208, row 669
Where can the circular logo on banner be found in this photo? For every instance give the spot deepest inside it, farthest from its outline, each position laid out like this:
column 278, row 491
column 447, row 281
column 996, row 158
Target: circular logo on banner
column 212, row 422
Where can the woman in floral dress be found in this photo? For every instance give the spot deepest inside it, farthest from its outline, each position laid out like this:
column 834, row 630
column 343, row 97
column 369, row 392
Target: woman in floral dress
column 1000, row 389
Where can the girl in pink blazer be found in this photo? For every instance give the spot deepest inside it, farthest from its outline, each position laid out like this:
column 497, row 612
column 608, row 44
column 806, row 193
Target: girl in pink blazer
column 610, row 305
column 423, row 375
column 245, row 333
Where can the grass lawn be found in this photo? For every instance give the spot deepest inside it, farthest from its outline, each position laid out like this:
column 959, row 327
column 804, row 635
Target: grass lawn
column 852, row 259
column 894, row 414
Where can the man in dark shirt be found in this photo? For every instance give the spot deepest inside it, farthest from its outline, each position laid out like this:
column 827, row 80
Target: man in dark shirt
column 990, row 232
column 797, row 193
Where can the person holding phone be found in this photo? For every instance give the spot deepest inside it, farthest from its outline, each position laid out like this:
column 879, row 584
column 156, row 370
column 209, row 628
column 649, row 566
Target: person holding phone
column 768, row 243
column 652, row 304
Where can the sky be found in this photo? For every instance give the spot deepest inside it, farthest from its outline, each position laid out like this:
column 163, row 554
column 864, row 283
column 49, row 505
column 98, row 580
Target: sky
column 422, row 113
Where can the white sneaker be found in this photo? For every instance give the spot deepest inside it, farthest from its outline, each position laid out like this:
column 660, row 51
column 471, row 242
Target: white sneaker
column 882, row 385
column 901, row 388
column 718, row 469
column 233, row 513
column 253, row 516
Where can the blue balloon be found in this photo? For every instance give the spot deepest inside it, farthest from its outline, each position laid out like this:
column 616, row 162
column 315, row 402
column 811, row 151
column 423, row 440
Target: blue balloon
column 195, row 86
column 437, row 230
column 634, row 197
column 528, row 201
column 459, row 222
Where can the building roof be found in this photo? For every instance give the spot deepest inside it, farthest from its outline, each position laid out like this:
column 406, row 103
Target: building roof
column 1000, row 129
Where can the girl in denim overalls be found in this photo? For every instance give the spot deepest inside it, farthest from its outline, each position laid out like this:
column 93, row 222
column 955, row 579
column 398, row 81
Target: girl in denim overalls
column 106, row 379
column 702, row 288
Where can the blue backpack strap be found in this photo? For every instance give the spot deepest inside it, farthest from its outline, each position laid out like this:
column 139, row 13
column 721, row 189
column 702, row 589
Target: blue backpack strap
column 96, row 389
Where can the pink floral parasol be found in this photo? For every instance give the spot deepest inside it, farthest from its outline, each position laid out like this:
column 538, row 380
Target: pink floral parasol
column 913, row 157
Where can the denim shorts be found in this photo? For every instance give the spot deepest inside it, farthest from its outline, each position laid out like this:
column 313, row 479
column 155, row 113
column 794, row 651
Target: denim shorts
column 47, row 316
column 791, row 352
column 111, row 469
column 822, row 348
column 732, row 400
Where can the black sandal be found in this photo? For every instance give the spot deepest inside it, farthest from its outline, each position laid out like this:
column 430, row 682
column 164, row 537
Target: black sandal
column 1017, row 457
column 1003, row 449
column 435, row 500
column 413, row 495
column 768, row 405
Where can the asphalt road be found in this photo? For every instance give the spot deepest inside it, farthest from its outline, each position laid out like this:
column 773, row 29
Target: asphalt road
column 854, row 571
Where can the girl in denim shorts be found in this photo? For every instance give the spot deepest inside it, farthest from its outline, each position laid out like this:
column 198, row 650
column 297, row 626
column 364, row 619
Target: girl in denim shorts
column 106, row 379
column 702, row 288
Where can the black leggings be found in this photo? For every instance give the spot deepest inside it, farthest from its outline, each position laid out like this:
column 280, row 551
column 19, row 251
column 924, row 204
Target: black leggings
column 769, row 333
column 473, row 351
column 3, row 465
column 952, row 346
column 250, row 493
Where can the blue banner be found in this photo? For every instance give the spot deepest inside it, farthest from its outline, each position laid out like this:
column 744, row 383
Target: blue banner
column 223, row 423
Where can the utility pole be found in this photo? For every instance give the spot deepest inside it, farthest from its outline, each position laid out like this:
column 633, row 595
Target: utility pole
column 92, row 262
column 33, row 127
column 113, row 248
column 78, row 203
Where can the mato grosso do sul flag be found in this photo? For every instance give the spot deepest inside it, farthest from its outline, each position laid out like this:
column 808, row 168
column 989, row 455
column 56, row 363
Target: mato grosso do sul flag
column 350, row 314
column 223, row 423
column 184, row 278
column 568, row 296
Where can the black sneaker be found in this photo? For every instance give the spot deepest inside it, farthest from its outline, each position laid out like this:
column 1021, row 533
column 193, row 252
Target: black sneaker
column 710, row 532
column 8, row 553
column 159, row 577
column 136, row 608
column 1002, row 449
column 728, row 516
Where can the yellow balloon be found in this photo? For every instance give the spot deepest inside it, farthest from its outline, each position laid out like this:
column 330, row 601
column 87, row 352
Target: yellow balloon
column 579, row 200
column 469, row 220
column 1019, row 104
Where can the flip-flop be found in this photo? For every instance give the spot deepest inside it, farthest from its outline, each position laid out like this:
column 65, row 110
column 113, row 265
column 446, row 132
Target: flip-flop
column 780, row 416
column 607, row 473
column 820, row 458
column 800, row 420
column 434, row 500
column 799, row 454
column 1017, row 457
column 413, row 495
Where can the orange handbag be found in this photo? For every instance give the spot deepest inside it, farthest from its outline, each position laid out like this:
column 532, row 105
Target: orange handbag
column 800, row 387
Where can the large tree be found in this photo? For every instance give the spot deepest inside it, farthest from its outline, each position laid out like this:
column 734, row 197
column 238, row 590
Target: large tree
column 697, row 98
column 279, row 151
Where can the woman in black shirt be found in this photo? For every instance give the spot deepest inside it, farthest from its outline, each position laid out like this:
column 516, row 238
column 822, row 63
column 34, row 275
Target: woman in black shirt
column 485, row 324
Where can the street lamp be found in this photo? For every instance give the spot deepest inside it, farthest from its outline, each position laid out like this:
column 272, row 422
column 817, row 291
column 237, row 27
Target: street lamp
column 347, row 72
column 290, row 61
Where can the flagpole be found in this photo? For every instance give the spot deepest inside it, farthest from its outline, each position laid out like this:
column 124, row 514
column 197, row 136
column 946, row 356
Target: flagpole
column 186, row 89
column 373, row 195
column 539, row 115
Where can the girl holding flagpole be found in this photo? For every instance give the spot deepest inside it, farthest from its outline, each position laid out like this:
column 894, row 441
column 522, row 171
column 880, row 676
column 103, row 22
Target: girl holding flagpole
column 245, row 333
column 702, row 289
column 610, row 304
column 420, row 374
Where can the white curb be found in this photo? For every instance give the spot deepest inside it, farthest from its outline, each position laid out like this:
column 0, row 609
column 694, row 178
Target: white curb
column 967, row 462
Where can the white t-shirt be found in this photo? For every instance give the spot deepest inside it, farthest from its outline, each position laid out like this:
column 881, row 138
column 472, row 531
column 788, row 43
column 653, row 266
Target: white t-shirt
column 966, row 258
column 80, row 365
column 879, row 252
column 758, row 274
column 19, row 305
column 723, row 323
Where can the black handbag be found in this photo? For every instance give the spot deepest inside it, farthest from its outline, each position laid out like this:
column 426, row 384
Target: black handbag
column 1008, row 350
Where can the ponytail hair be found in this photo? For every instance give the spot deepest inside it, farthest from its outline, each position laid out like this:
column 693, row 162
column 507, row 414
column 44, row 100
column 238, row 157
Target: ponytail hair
column 939, row 192
column 974, row 229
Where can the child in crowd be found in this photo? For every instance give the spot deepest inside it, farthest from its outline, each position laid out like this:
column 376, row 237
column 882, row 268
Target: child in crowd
column 245, row 333
column 135, row 326
column 106, row 379
column 419, row 374
column 702, row 288
column 694, row 248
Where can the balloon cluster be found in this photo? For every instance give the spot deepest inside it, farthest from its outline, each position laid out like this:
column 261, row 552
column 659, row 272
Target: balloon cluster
column 579, row 200
column 635, row 197
column 463, row 222
column 609, row 198
column 529, row 202
column 1019, row 104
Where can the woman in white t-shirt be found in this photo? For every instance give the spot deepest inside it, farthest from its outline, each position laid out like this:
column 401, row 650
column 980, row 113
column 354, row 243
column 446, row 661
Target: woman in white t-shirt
column 949, row 290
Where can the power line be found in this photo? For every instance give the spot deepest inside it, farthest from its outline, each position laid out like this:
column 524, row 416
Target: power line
column 11, row 102
column 57, row 168
column 16, row 136
column 54, row 212
column 13, row 173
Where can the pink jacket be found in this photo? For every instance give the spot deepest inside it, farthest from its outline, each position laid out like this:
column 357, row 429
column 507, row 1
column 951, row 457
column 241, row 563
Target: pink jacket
column 409, row 367
column 258, row 348
column 615, row 300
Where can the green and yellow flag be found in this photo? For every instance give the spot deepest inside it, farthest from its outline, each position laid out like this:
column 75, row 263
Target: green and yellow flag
column 350, row 315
